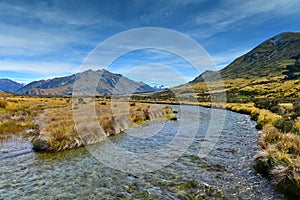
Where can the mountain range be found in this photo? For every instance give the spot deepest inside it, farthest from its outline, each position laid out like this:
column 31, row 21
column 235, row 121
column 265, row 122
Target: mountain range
column 268, row 59
column 108, row 84
column 9, row 85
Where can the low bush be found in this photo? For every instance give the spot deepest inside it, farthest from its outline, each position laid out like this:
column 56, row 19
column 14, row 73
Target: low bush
column 270, row 104
column 296, row 111
column 285, row 125
column 3, row 103
column 132, row 104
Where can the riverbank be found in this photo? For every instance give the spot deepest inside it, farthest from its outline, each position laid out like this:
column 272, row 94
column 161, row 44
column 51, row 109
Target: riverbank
column 50, row 121
column 58, row 131
column 279, row 155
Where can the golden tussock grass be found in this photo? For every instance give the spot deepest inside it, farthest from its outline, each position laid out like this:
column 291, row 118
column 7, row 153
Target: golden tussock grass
column 17, row 113
column 58, row 130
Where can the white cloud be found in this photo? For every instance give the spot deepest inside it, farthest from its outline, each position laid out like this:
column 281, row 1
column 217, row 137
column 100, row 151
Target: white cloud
column 43, row 68
column 15, row 40
column 153, row 38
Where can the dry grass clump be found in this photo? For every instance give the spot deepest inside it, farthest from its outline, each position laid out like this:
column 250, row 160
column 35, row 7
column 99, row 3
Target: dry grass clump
column 52, row 118
column 280, row 158
column 282, row 168
column 170, row 114
column 13, row 127
column 286, row 178
column 56, row 130
column 108, row 124
column 284, row 143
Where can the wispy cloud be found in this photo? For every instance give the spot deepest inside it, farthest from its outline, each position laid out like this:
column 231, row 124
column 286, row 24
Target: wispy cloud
column 48, row 69
column 45, row 27
column 229, row 14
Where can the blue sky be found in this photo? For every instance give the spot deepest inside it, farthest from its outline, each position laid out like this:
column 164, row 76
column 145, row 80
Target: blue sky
column 45, row 39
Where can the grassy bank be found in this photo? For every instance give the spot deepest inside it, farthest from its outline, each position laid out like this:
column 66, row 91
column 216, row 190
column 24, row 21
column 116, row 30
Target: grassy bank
column 279, row 141
column 17, row 114
column 49, row 120
column 58, row 132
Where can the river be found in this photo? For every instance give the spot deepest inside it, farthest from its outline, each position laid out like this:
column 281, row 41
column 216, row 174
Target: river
column 225, row 173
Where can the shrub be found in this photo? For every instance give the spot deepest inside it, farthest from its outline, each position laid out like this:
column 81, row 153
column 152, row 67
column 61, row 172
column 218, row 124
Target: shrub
column 81, row 101
column 270, row 104
column 3, row 103
column 296, row 111
column 132, row 104
column 285, row 125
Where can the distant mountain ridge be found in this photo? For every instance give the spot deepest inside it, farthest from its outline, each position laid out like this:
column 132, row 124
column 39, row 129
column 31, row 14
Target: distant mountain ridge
column 8, row 85
column 273, row 57
column 270, row 58
column 108, row 84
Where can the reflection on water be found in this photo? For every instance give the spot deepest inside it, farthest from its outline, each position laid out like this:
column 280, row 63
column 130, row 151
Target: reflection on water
column 226, row 173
